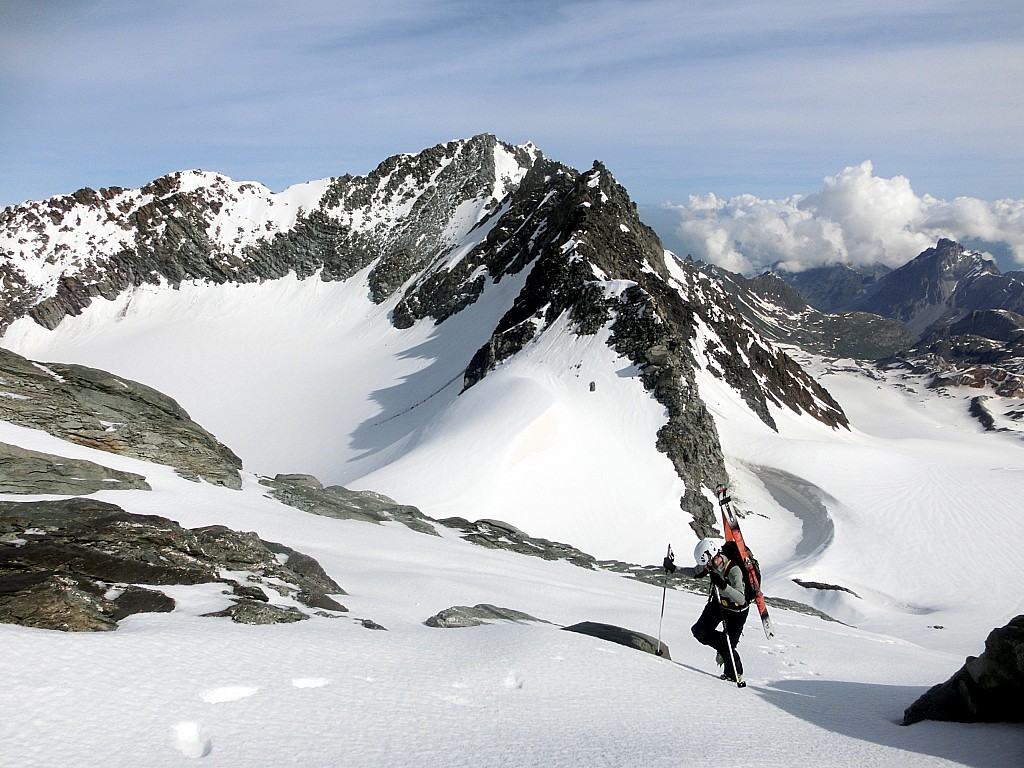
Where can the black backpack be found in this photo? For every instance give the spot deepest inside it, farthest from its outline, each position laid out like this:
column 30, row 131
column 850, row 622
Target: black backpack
column 732, row 553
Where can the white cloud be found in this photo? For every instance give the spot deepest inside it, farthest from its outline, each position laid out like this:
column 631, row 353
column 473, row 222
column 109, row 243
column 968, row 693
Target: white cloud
column 856, row 218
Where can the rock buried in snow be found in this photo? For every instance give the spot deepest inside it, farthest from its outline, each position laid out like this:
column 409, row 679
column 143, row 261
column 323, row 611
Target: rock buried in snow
column 626, row 637
column 465, row 616
column 988, row 688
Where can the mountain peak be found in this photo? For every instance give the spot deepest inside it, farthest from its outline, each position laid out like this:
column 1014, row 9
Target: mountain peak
column 554, row 255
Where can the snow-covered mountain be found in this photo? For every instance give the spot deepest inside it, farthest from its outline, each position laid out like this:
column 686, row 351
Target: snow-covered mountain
column 401, row 290
column 484, row 333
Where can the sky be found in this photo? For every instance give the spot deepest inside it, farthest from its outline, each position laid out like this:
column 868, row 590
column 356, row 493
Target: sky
column 748, row 102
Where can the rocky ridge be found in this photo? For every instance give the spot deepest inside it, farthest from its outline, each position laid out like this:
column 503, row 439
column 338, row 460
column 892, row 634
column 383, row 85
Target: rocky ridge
column 774, row 307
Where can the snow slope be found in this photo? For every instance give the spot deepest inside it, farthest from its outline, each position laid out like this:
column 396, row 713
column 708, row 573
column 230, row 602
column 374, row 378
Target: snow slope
column 169, row 688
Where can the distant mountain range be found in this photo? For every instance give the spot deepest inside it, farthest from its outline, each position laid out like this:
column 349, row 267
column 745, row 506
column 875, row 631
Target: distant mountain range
column 954, row 303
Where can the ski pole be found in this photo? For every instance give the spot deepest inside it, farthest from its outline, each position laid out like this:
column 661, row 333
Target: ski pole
column 664, row 591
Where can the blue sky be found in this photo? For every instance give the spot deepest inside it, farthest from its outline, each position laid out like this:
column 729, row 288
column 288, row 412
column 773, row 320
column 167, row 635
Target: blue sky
column 677, row 98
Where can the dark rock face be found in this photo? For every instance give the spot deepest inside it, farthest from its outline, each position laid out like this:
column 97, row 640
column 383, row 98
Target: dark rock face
column 99, row 410
column 830, row 288
column 626, row 637
column 992, row 339
column 76, row 564
column 32, row 472
column 988, row 688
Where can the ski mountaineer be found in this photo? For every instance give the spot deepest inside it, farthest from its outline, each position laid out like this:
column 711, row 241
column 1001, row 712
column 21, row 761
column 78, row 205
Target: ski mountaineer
column 727, row 605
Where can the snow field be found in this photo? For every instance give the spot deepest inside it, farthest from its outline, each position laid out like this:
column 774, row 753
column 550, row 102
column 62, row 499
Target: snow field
column 168, row 688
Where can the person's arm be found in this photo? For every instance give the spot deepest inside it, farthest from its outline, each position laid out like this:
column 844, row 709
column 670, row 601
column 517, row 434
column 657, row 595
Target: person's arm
column 733, row 589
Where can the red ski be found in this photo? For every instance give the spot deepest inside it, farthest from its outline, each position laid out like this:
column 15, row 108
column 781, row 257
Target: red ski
column 731, row 526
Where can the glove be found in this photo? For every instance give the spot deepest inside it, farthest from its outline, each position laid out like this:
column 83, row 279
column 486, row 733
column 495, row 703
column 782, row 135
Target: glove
column 717, row 579
column 669, row 565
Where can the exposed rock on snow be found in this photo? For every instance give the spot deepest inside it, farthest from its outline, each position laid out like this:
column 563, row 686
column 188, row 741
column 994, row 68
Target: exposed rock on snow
column 775, row 309
column 988, row 688
column 496, row 534
column 32, row 472
column 74, row 564
column 307, row 493
column 249, row 611
column 99, row 410
column 465, row 616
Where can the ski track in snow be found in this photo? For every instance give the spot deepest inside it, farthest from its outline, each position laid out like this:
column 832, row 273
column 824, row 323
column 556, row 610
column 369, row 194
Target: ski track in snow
column 804, row 500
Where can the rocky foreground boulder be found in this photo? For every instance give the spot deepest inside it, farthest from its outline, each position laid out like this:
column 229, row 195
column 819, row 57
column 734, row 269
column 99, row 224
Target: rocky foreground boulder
column 80, row 565
column 622, row 636
column 987, row 689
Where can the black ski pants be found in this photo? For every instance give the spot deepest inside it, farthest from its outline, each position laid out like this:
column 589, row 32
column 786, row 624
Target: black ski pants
column 707, row 633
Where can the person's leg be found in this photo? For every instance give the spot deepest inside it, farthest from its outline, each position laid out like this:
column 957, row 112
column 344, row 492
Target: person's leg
column 706, row 633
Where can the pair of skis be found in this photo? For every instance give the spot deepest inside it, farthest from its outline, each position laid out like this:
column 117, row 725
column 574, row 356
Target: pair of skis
column 731, row 527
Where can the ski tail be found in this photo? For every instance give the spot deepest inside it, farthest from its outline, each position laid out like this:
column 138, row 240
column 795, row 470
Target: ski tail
column 731, row 527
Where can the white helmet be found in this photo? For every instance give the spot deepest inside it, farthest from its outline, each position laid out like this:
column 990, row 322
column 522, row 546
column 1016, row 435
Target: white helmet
column 705, row 552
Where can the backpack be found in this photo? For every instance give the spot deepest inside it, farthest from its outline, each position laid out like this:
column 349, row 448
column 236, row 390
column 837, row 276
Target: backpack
column 732, row 553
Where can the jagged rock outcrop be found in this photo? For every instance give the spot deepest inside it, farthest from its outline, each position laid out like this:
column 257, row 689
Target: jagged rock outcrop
column 76, row 565
column 184, row 226
column 32, row 472
column 597, row 263
column 988, row 688
column 96, row 409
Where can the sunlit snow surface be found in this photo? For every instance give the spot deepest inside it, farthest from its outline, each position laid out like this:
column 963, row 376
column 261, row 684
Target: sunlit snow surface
column 305, row 376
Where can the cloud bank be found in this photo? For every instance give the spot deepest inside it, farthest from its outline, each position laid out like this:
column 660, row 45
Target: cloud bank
column 856, row 218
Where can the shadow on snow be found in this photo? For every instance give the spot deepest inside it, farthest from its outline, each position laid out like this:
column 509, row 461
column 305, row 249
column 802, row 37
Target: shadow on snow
column 874, row 713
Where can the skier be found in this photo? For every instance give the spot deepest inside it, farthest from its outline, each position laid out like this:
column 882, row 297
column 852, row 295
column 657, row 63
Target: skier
column 727, row 605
